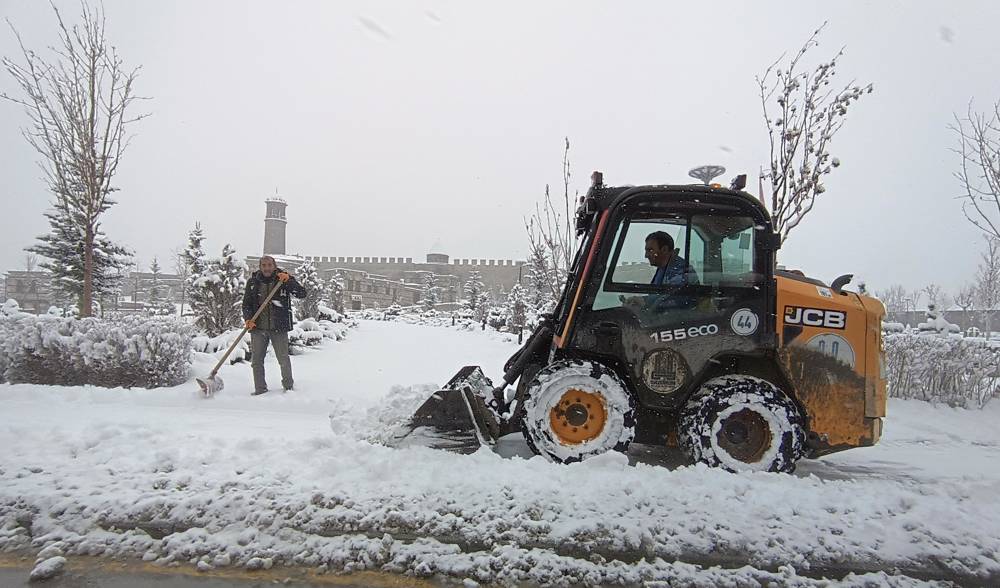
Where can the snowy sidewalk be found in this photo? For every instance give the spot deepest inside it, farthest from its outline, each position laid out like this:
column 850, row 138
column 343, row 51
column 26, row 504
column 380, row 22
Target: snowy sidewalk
column 235, row 480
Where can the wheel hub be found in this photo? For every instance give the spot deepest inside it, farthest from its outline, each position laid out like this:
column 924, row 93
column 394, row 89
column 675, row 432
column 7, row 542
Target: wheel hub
column 745, row 435
column 579, row 416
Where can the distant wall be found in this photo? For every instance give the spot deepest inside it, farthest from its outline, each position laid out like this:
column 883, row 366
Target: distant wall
column 495, row 272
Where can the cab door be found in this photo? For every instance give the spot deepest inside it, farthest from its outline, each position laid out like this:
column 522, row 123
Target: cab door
column 664, row 337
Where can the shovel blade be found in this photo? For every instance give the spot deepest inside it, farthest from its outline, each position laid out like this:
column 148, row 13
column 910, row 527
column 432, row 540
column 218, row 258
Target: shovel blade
column 209, row 386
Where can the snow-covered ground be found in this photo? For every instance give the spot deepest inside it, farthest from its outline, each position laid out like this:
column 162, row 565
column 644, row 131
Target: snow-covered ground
column 259, row 481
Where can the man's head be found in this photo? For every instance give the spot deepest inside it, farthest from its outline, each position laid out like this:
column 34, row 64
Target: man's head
column 659, row 248
column 267, row 266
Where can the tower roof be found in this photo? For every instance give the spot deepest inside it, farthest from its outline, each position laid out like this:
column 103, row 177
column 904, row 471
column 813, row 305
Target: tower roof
column 437, row 248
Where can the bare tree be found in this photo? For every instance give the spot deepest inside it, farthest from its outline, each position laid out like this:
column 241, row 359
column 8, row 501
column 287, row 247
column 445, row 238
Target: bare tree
column 894, row 298
column 933, row 292
column 551, row 233
column 802, row 113
column 966, row 299
column 30, row 262
column 913, row 300
column 180, row 267
column 79, row 104
column 988, row 281
column 979, row 174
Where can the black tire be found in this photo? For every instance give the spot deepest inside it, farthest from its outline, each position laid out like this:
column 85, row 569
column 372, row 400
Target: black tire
column 550, row 397
column 742, row 423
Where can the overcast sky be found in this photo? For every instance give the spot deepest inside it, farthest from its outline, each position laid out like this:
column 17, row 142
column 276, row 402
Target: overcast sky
column 389, row 126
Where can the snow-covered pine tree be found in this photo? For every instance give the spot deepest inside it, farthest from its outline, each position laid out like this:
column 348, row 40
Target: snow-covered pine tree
column 308, row 307
column 473, row 290
column 335, row 292
column 219, row 294
column 429, row 292
column 194, row 259
column 517, row 306
column 156, row 275
column 194, row 253
column 542, row 281
column 63, row 253
column 483, row 303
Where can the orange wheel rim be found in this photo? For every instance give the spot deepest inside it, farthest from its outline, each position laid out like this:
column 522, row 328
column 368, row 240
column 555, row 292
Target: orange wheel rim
column 578, row 417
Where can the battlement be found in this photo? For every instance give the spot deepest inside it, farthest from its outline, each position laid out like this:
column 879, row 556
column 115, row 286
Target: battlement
column 409, row 261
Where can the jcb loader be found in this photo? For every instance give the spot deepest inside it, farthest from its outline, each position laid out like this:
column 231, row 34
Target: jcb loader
column 745, row 366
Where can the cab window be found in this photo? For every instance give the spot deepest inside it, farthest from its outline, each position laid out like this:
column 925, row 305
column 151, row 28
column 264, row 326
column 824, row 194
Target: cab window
column 718, row 251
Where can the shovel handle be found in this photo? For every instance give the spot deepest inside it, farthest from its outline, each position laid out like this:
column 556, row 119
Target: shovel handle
column 238, row 339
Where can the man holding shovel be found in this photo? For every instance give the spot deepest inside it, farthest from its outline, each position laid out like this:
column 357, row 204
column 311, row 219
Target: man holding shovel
column 273, row 322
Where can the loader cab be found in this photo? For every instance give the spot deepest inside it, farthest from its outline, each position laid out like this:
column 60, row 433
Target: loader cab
column 664, row 338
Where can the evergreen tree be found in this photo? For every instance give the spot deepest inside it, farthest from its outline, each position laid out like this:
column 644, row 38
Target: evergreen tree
column 335, row 292
column 63, row 253
column 483, row 303
column 308, row 307
column 194, row 259
column 542, row 281
column 517, row 306
column 154, row 296
column 474, row 289
column 429, row 293
column 219, row 294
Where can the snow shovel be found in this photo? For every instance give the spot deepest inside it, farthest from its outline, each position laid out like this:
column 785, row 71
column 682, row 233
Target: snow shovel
column 213, row 383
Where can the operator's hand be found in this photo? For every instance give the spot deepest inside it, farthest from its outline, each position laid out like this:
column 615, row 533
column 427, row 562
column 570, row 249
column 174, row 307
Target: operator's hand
column 283, row 277
column 634, row 303
column 251, row 325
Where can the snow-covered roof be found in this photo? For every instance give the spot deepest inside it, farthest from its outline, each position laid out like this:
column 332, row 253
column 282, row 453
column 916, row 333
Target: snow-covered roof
column 437, row 248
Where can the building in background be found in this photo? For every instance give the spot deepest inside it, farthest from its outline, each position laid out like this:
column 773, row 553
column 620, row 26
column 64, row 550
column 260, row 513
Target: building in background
column 138, row 287
column 377, row 282
column 32, row 290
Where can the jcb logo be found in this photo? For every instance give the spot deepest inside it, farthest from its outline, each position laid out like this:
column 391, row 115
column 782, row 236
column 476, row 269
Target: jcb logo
column 815, row 317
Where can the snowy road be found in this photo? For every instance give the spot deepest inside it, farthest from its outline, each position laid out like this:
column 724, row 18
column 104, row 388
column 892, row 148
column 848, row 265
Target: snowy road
column 254, row 481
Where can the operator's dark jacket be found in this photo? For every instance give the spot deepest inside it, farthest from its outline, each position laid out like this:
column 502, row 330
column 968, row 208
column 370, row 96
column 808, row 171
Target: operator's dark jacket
column 281, row 313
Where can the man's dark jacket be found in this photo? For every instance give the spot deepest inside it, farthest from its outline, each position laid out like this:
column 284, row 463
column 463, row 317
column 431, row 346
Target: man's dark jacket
column 281, row 304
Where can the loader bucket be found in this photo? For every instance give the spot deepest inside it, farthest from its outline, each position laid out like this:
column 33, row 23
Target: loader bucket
column 454, row 418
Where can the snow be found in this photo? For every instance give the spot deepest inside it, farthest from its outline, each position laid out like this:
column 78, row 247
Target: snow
column 165, row 476
column 47, row 569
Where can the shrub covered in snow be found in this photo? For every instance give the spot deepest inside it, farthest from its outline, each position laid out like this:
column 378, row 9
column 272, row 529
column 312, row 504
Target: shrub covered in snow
column 954, row 370
column 133, row 351
column 312, row 332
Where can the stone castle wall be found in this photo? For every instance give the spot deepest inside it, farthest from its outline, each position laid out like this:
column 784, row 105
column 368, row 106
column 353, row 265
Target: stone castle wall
column 495, row 272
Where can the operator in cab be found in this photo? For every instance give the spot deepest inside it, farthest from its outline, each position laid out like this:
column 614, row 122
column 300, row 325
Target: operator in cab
column 672, row 272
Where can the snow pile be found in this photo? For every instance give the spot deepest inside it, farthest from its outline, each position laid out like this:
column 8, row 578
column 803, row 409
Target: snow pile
column 47, row 568
column 383, row 420
column 131, row 351
column 953, row 370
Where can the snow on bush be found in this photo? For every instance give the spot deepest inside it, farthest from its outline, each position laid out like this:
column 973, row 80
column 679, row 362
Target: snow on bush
column 460, row 320
column 957, row 371
column 132, row 351
column 312, row 332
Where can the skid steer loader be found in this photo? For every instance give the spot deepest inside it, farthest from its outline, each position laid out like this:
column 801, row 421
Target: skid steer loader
column 745, row 366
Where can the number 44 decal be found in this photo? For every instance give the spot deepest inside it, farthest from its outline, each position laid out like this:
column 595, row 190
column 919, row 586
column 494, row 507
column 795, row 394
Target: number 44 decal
column 681, row 334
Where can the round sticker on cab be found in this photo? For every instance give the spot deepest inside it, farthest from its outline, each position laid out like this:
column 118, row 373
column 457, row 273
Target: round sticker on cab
column 744, row 322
